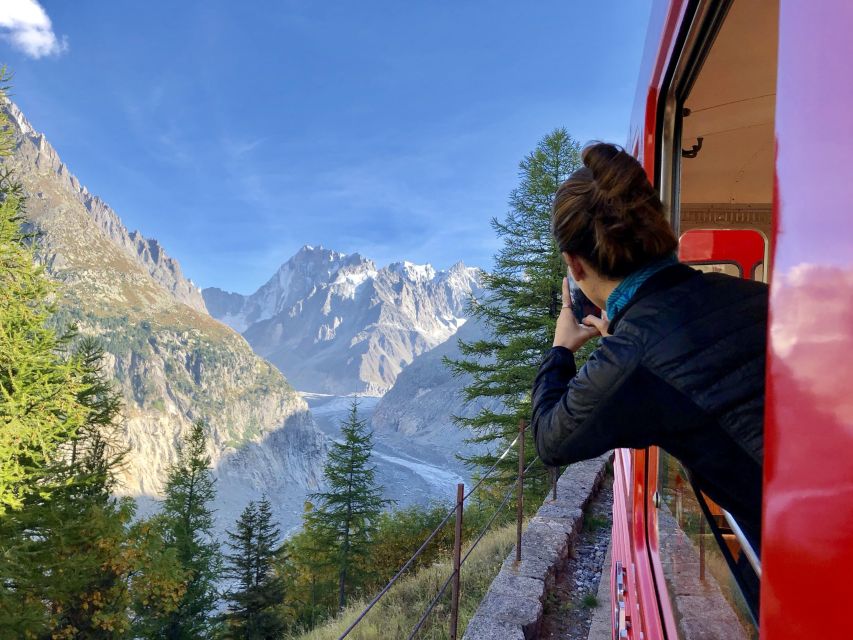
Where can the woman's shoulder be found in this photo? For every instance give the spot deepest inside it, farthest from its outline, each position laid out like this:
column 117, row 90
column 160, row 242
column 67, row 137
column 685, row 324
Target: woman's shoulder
column 713, row 302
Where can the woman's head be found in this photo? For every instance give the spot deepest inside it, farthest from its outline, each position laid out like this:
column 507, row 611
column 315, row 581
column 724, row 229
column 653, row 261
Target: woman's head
column 608, row 214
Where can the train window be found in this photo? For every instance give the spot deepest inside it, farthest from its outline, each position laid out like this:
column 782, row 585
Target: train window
column 708, row 588
column 728, row 268
column 716, row 178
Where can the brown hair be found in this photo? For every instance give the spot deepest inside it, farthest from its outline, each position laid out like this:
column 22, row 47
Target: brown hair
column 609, row 214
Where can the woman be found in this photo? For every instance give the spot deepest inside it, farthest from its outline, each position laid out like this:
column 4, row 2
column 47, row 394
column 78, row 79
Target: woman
column 681, row 362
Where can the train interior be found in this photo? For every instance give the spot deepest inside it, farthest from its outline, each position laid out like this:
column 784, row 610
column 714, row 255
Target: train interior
column 722, row 156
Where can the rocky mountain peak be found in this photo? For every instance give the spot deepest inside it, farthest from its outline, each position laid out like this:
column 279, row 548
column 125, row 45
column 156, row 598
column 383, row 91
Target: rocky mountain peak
column 413, row 272
column 334, row 323
column 38, row 156
column 171, row 362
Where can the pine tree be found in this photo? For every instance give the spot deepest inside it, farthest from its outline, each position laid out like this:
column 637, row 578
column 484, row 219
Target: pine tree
column 254, row 609
column 345, row 517
column 521, row 303
column 187, row 521
column 307, row 567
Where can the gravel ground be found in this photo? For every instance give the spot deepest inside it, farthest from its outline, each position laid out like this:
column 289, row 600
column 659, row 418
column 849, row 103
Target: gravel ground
column 570, row 606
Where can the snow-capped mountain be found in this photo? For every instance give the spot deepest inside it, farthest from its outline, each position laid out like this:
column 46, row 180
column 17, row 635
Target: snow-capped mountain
column 170, row 360
column 335, row 323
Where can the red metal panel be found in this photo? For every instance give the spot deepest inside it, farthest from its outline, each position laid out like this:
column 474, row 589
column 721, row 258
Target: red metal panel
column 620, row 551
column 808, row 474
column 664, row 25
column 744, row 246
column 654, row 544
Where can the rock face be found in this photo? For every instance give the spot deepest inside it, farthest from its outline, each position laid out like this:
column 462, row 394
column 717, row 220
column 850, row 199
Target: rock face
column 334, row 323
column 42, row 157
column 421, row 404
column 171, row 361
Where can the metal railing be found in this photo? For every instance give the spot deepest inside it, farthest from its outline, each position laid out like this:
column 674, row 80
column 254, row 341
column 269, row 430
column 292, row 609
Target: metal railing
column 454, row 579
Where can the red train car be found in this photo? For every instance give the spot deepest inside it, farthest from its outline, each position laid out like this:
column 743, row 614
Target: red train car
column 742, row 120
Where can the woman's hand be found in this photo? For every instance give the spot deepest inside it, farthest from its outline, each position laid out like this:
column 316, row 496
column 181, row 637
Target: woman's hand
column 569, row 333
column 602, row 324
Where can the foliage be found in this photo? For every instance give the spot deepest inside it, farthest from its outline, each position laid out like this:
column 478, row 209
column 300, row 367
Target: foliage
column 398, row 612
column 520, row 306
column 253, row 611
column 308, row 569
column 345, row 518
column 73, row 564
column 186, row 523
column 39, row 384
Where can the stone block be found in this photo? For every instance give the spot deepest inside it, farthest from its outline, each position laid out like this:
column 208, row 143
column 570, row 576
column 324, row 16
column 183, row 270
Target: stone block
column 512, row 608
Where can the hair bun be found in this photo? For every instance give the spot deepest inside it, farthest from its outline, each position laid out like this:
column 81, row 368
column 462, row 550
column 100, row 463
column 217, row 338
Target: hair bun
column 609, row 213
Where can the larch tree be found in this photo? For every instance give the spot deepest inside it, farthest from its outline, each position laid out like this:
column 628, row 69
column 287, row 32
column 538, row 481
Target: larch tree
column 254, row 604
column 69, row 559
column 345, row 515
column 520, row 306
column 39, row 384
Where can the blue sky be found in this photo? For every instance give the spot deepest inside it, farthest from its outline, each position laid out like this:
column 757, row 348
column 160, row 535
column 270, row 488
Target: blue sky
column 236, row 132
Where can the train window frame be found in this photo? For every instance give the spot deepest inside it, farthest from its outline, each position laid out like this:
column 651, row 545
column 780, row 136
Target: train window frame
column 744, row 267
column 713, row 263
column 703, row 22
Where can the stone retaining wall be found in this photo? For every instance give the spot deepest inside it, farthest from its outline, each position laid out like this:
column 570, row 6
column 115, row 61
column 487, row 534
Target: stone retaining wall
column 512, row 607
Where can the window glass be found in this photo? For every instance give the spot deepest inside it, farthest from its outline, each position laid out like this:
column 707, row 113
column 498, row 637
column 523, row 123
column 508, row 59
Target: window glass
column 703, row 590
column 729, row 268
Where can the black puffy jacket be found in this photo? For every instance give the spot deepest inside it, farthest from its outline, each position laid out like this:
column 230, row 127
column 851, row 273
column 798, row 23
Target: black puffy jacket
column 683, row 370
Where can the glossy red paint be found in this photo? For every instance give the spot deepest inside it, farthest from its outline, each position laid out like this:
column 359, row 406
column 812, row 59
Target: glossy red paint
column 808, row 486
column 743, row 246
column 621, row 547
column 653, row 542
column 631, row 491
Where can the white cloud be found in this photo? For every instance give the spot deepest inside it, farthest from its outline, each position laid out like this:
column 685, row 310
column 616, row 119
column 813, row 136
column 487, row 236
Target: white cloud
column 26, row 25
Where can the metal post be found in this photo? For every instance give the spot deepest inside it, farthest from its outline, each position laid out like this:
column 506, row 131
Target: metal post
column 520, row 496
column 457, row 554
column 555, row 473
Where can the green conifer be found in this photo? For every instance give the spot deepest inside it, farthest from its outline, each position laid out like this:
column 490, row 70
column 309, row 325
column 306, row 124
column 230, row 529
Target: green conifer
column 521, row 304
column 254, row 605
column 187, row 520
column 346, row 514
column 39, row 384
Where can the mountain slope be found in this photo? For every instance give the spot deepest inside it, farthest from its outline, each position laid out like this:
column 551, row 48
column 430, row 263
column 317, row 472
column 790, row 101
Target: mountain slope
column 172, row 362
column 335, row 323
column 421, row 404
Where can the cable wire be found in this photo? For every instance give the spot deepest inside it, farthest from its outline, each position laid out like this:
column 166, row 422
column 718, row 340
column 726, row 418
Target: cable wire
column 402, row 570
column 443, row 588
column 492, row 468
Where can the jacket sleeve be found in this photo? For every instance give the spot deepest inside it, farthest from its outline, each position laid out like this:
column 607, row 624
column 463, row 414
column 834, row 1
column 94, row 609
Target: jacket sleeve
column 571, row 417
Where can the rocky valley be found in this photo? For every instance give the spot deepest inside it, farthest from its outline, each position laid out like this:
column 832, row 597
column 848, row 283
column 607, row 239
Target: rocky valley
column 172, row 362
column 325, row 327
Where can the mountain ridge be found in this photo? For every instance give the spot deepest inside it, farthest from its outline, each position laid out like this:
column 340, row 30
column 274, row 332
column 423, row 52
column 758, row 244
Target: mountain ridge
column 171, row 362
column 336, row 323
column 148, row 252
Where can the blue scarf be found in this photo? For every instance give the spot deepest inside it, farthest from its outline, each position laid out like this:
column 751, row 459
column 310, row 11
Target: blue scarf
column 626, row 289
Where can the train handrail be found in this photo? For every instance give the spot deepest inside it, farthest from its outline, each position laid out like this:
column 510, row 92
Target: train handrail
column 751, row 555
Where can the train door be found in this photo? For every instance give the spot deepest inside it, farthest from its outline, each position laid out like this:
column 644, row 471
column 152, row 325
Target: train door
column 716, row 176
